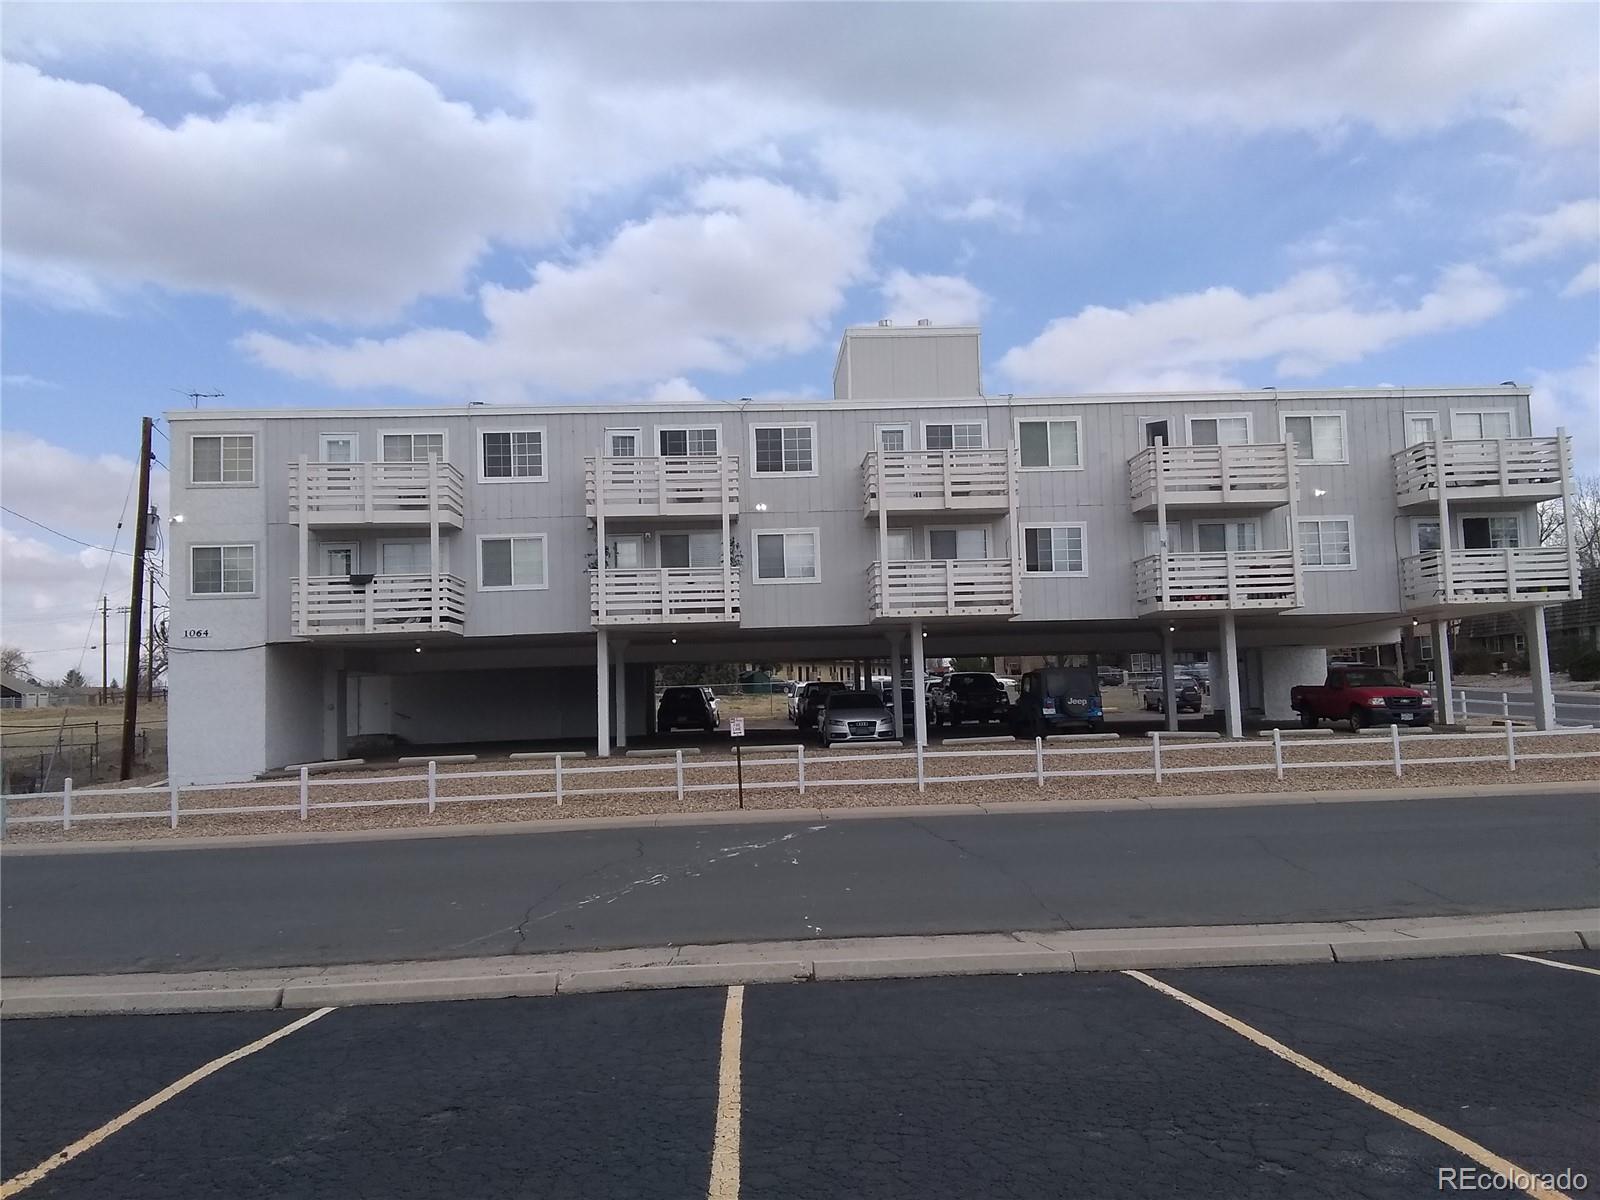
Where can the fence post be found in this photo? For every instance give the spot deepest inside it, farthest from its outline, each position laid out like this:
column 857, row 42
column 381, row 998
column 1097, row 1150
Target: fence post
column 559, row 796
column 1394, row 740
column 305, row 793
column 678, row 758
column 1461, row 704
column 4, row 813
column 1511, row 747
column 1038, row 759
column 922, row 780
column 172, row 800
column 1155, row 753
column 1505, row 705
column 66, row 803
column 1277, row 750
column 800, row 766
column 433, row 785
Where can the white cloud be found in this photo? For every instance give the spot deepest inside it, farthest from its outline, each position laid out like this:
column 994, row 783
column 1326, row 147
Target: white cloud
column 24, row 380
column 1570, row 399
column 676, row 390
column 746, row 269
column 942, row 299
column 1317, row 319
column 1572, row 226
column 986, row 210
column 1584, row 282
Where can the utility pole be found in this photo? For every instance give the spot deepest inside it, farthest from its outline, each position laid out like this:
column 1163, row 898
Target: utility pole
column 105, row 632
column 141, row 537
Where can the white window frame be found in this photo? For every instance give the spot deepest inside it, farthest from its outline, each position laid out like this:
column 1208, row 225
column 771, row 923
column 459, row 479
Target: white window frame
column 1350, row 524
column 1144, row 432
column 327, row 548
column 1083, row 531
column 983, row 433
column 444, row 443
column 1405, row 425
column 255, row 571
column 1249, row 424
column 655, row 435
column 1416, row 528
column 544, row 455
column 638, row 441
column 324, row 438
column 1225, row 521
column 444, row 552
column 1344, row 436
column 755, row 555
column 815, row 451
column 713, row 533
column 1016, row 433
column 903, row 426
column 1481, row 412
column 542, row 539
column 927, row 538
column 1461, row 519
column 219, row 482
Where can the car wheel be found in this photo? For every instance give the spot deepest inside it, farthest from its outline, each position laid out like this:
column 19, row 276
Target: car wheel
column 1309, row 720
column 1358, row 718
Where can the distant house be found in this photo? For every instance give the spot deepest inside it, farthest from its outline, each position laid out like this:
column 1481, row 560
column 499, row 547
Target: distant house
column 16, row 692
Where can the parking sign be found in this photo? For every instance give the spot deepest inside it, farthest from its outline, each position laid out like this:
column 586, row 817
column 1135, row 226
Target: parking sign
column 735, row 726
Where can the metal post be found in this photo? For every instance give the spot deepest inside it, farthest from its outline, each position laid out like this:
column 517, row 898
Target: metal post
column 800, row 766
column 922, row 782
column 66, row 803
column 738, row 761
column 1394, row 740
column 1155, row 753
column 1511, row 746
column 305, row 793
column 1505, row 705
column 1038, row 760
column 559, row 796
column 678, row 756
column 1277, row 750
column 433, row 785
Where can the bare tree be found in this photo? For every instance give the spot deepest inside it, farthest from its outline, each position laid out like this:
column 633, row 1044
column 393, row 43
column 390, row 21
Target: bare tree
column 1581, row 522
column 15, row 661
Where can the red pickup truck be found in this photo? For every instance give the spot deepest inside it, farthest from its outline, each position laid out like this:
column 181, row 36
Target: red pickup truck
column 1364, row 696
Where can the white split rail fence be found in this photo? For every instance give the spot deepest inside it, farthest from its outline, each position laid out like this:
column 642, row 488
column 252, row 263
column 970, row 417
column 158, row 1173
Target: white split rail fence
column 1154, row 760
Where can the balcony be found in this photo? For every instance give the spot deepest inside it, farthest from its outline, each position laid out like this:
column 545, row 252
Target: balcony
column 968, row 481
column 695, row 486
column 1221, row 581
column 664, row 596
column 1522, row 469
column 376, row 493
column 1243, row 476
column 403, row 605
column 1476, row 578
column 961, row 587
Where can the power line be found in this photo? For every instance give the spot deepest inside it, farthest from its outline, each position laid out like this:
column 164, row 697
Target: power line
column 67, row 536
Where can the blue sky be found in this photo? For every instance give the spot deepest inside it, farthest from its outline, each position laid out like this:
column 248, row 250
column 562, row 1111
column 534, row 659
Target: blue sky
column 298, row 205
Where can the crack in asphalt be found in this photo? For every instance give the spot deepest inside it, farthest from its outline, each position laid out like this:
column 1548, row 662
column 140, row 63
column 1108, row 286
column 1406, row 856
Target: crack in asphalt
column 999, row 869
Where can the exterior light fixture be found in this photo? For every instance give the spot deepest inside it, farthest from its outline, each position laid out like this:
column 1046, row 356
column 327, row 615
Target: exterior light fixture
column 761, row 506
column 177, row 519
column 674, row 641
column 1319, row 492
column 418, row 650
column 1172, row 629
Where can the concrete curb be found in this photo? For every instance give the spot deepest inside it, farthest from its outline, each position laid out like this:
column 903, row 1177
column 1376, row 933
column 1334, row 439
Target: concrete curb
column 823, row 960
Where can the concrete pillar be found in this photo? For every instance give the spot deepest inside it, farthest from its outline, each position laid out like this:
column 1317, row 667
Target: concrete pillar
column 1544, row 700
column 1233, row 719
column 1284, row 667
column 336, row 719
column 919, row 687
column 619, row 672
column 894, row 687
column 602, row 687
column 650, row 699
column 1169, row 678
column 1444, row 700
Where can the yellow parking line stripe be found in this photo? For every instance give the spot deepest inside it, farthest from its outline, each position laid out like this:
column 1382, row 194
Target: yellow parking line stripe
column 1546, row 962
column 1482, row 1155
column 89, row 1141
column 725, row 1143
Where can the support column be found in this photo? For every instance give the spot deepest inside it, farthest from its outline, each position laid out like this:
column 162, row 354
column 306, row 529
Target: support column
column 650, row 699
column 304, row 582
column 619, row 673
column 1444, row 700
column 894, row 688
column 919, row 689
column 335, row 689
column 1544, row 700
column 1169, row 679
column 1233, row 721
column 602, row 685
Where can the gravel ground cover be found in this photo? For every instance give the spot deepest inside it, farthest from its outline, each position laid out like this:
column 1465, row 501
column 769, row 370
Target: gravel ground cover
column 499, row 791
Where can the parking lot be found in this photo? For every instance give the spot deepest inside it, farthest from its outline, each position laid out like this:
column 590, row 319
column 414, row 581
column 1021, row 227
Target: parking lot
column 1343, row 1080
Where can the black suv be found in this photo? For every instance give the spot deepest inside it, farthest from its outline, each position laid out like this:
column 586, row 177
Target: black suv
column 686, row 707
column 971, row 696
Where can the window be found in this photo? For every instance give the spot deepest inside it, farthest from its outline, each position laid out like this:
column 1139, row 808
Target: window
column 625, row 553
column 1050, row 444
column 686, row 443
column 947, row 544
column 341, row 558
column 412, row 447
column 1231, row 430
column 899, row 545
column 1317, row 437
column 1488, row 423
column 511, row 563
column 1421, row 427
column 1052, row 549
column 622, row 443
column 787, row 554
column 702, row 548
column 965, row 436
column 405, row 558
column 1490, row 533
column 1426, row 535
column 512, row 454
column 1325, row 544
column 894, row 437
column 1155, row 428
column 337, row 447
column 1425, row 649
column 1211, row 537
column 222, row 458
column 222, row 570
column 1152, row 538
column 783, row 449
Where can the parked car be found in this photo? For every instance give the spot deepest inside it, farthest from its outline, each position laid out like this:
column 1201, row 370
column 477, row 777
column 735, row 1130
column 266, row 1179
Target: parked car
column 1188, row 694
column 1056, row 699
column 971, row 696
column 1364, row 696
column 1112, row 676
column 853, row 717
column 1012, row 687
column 687, row 708
column 808, row 701
column 908, row 706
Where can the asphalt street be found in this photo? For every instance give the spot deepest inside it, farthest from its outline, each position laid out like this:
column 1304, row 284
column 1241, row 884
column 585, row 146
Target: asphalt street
column 1036, row 1086
column 1572, row 708
column 433, row 898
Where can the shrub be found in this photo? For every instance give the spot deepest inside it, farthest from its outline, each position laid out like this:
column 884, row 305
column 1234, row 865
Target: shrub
column 1417, row 675
column 1585, row 667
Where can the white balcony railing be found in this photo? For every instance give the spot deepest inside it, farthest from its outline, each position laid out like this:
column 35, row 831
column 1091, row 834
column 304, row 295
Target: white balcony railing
column 1525, row 575
column 663, row 596
column 1199, row 476
column 1216, row 581
column 1480, row 469
column 943, row 588
column 940, row 480
column 376, row 493
column 395, row 604
column 693, row 486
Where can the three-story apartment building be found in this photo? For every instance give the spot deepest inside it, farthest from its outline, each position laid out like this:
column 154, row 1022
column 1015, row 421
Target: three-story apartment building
column 476, row 574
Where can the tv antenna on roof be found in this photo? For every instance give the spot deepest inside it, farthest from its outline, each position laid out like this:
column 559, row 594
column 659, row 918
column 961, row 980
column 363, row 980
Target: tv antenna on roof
column 196, row 397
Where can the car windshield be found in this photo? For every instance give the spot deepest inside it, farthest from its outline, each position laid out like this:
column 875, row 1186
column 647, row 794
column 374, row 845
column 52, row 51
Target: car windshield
column 682, row 693
column 855, row 700
column 976, row 683
column 1371, row 678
